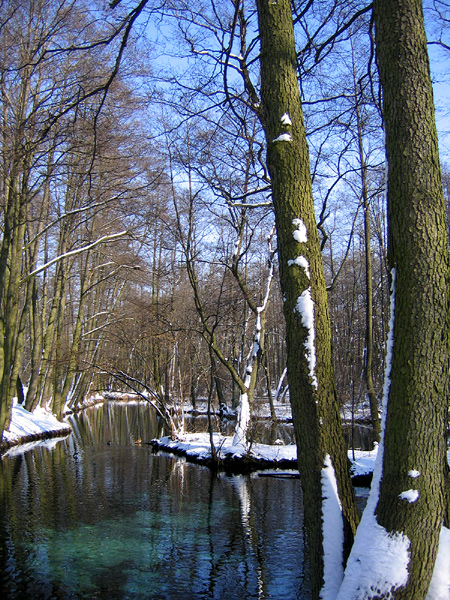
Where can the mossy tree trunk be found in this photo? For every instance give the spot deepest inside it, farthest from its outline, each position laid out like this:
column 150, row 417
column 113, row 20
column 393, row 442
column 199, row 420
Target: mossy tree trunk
column 412, row 490
column 16, row 192
column 10, row 273
column 311, row 379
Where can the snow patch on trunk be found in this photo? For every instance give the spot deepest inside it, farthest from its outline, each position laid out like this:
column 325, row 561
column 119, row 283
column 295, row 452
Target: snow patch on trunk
column 333, row 533
column 284, row 137
column 240, row 436
column 301, row 233
column 378, row 561
column 410, row 495
column 302, row 262
column 305, row 308
column 286, row 119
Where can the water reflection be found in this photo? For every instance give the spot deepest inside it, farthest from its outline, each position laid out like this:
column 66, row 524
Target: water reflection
column 100, row 517
column 264, row 431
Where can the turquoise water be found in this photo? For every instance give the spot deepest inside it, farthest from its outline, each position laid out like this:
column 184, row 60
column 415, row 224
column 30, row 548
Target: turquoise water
column 99, row 517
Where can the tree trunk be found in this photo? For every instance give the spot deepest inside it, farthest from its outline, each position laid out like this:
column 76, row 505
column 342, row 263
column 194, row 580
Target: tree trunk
column 76, row 335
column 418, row 251
column 374, row 413
column 311, row 381
column 11, row 267
column 411, row 505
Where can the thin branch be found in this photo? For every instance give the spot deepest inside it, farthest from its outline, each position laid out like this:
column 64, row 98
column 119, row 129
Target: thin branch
column 104, row 238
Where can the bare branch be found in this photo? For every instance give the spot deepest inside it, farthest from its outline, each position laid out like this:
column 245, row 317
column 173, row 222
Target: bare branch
column 103, row 239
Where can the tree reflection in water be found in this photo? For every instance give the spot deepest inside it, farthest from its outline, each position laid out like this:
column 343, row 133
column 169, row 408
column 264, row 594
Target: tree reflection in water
column 99, row 517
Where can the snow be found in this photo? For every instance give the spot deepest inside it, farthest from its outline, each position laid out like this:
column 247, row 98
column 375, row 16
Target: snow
column 305, row 308
column 280, row 384
column 284, row 137
column 24, row 423
column 410, row 495
column 333, row 533
column 198, row 445
column 383, row 563
column 414, row 473
column 389, row 351
column 301, row 233
column 302, row 262
column 104, row 238
column 440, row 582
column 240, row 436
column 363, row 462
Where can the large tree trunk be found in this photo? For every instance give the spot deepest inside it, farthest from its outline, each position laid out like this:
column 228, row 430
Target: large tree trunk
column 10, row 272
column 311, row 379
column 411, row 505
column 418, row 251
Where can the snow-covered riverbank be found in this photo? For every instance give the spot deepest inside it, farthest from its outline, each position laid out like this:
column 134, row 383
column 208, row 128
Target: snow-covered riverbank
column 196, row 447
column 28, row 427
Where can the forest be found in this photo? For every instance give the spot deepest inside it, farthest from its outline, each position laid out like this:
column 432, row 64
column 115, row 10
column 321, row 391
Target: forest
column 121, row 183
column 146, row 199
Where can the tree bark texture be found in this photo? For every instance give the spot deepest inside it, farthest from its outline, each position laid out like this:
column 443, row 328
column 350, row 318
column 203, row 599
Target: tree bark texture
column 415, row 440
column 313, row 398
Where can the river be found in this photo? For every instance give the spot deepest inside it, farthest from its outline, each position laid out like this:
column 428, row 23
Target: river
column 96, row 516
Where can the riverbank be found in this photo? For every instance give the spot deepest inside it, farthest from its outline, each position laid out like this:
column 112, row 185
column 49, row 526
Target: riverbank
column 41, row 425
column 196, row 448
column 26, row 427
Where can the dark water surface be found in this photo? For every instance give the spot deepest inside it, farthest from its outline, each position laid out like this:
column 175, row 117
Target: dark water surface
column 96, row 516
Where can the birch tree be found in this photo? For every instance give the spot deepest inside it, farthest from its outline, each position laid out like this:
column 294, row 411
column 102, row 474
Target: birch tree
column 233, row 265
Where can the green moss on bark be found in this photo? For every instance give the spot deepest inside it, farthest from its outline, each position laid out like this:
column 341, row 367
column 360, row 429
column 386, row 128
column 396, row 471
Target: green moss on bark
column 418, row 250
column 315, row 407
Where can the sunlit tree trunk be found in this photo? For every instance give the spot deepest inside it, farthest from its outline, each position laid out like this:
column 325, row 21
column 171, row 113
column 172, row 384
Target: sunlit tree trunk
column 408, row 496
column 311, row 380
column 11, row 258
column 44, row 379
column 16, row 197
column 74, row 349
column 418, row 251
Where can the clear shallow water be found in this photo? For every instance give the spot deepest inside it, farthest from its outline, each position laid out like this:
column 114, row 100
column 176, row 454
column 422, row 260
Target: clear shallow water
column 99, row 517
